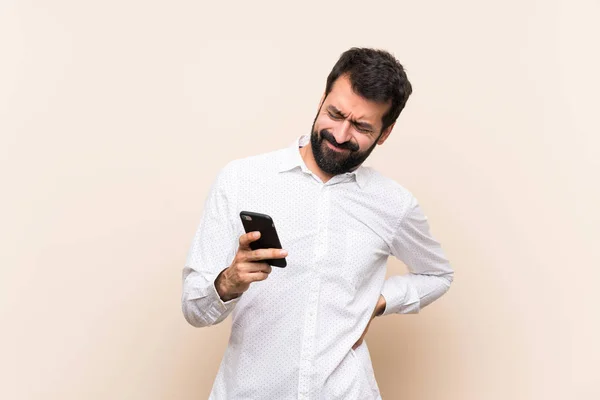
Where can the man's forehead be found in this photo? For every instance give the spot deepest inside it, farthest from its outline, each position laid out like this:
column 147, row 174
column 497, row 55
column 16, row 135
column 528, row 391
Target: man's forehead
column 357, row 107
column 347, row 101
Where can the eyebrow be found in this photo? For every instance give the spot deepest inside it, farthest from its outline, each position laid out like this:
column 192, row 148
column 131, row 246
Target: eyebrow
column 362, row 125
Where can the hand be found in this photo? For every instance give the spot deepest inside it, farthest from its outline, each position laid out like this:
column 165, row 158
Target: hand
column 245, row 268
column 379, row 308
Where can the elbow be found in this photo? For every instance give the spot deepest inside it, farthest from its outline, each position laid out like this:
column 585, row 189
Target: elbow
column 448, row 278
column 192, row 316
column 446, row 281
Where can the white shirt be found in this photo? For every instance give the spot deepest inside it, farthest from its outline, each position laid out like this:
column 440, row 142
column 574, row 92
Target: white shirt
column 292, row 334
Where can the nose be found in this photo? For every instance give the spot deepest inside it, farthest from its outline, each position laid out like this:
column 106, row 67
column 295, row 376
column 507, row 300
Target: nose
column 342, row 133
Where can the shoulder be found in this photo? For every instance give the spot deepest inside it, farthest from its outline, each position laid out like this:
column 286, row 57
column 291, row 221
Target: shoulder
column 392, row 200
column 256, row 160
column 380, row 183
column 253, row 165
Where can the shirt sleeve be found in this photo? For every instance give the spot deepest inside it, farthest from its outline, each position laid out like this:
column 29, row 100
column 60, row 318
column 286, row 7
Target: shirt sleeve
column 430, row 273
column 212, row 250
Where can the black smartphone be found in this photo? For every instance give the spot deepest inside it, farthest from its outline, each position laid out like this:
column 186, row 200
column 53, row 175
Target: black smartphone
column 268, row 235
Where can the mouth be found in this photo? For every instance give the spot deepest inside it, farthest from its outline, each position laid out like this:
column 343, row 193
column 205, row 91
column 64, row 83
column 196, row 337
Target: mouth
column 335, row 148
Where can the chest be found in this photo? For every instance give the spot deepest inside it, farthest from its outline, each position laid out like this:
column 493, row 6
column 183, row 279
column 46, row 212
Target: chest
column 334, row 230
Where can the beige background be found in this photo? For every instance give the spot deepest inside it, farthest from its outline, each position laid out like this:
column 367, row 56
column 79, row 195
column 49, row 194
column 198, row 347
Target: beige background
column 115, row 117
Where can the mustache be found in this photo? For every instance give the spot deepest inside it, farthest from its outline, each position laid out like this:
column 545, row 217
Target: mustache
column 325, row 134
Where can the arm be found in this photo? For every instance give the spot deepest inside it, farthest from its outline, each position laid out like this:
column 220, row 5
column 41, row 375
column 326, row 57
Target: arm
column 430, row 273
column 212, row 250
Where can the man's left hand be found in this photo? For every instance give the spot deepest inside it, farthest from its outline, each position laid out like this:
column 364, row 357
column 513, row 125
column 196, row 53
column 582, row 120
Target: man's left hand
column 378, row 311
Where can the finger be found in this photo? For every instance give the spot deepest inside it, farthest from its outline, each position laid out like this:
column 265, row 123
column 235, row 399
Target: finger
column 248, row 238
column 265, row 254
column 254, row 267
column 249, row 268
column 258, row 276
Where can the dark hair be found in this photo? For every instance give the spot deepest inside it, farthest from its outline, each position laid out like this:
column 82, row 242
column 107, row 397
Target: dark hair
column 375, row 75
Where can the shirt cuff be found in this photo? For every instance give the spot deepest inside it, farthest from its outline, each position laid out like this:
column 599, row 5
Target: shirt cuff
column 217, row 307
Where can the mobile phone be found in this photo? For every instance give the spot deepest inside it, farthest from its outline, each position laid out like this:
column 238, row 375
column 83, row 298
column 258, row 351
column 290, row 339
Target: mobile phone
column 268, row 234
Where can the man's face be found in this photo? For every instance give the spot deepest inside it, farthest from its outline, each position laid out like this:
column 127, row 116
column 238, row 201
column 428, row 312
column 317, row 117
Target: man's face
column 346, row 129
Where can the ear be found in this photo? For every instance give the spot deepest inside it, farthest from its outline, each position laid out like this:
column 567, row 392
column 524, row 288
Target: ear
column 385, row 134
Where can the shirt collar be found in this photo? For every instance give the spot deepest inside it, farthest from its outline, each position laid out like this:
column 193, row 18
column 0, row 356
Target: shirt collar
column 290, row 159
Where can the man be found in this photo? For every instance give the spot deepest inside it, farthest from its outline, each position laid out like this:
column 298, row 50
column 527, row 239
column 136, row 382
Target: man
column 298, row 332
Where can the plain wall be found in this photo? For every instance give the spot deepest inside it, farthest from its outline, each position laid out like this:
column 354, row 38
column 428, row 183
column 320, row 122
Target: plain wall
column 115, row 117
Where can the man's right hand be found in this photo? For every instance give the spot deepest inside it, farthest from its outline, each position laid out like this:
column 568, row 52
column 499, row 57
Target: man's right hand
column 245, row 268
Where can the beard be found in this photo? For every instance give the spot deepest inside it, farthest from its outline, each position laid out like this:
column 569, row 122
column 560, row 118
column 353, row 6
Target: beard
column 336, row 162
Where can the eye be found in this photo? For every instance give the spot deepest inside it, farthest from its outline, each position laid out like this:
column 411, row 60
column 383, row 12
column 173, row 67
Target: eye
column 335, row 117
column 363, row 130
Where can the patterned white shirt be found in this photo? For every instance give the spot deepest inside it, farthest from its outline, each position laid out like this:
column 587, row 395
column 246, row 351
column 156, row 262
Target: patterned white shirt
column 292, row 334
